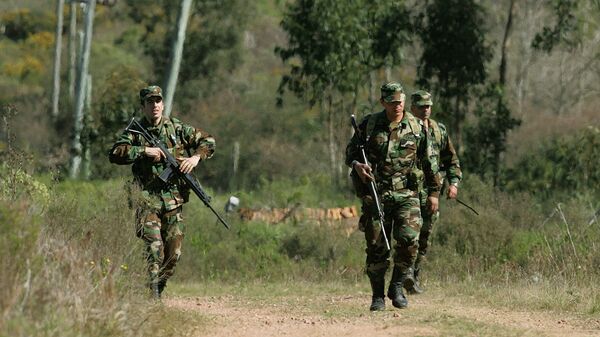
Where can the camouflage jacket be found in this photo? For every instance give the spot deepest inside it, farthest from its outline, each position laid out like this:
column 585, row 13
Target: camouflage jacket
column 443, row 152
column 182, row 140
column 394, row 150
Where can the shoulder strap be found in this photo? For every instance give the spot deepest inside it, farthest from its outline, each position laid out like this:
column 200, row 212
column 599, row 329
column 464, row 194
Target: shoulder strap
column 414, row 124
column 371, row 122
column 437, row 132
column 172, row 130
column 177, row 129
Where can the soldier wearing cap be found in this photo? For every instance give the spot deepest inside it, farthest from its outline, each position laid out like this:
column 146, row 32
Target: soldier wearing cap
column 395, row 146
column 159, row 220
column 441, row 152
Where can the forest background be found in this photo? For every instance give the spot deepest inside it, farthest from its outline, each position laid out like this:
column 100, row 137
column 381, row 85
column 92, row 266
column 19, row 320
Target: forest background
column 517, row 84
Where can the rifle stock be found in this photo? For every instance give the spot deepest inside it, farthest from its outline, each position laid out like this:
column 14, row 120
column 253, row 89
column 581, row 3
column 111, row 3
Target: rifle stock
column 173, row 168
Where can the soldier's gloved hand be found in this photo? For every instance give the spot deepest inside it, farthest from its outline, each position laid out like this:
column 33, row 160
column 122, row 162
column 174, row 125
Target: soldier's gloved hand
column 452, row 192
column 364, row 172
column 155, row 153
column 186, row 165
column 433, row 204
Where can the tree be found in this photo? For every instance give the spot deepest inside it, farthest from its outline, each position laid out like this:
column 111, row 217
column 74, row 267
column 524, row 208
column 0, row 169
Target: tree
column 332, row 49
column 82, row 81
column 574, row 39
column 566, row 30
column 212, row 41
column 486, row 138
column 176, row 51
column 454, row 57
column 57, row 52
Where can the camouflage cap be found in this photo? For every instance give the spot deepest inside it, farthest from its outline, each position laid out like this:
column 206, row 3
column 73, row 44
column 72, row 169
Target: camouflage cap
column 421, row 98
column 392, row 92
column 151, row 91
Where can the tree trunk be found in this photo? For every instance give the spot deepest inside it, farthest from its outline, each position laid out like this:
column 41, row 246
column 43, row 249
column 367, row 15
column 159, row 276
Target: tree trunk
column 233, row 182
column 372, row 94
column 331, row 137
column 176, row 52
column 76, row 147
column 72, row 48
column 60, row 4
column 457, row 122
column 506, row 44
column 497, row 147
column 87, row 143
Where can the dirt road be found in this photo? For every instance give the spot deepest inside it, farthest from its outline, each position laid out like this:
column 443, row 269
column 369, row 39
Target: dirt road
column 428, row 314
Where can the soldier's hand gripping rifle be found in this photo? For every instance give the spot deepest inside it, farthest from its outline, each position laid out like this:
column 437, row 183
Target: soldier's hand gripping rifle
column 173, row 168
column 371, row 184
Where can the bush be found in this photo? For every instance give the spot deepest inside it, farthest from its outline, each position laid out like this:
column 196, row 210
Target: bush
column 512, row 234
column 568, row 164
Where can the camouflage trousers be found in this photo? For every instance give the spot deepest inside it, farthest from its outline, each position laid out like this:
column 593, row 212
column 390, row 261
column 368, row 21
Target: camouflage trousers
column 429, row 219
column 402, row 225
column 162, row 232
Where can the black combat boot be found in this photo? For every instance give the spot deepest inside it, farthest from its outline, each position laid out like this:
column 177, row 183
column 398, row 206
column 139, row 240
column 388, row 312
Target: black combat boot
column 161, row 286
column 378, row 288
column 155, row 290
column 395, row 292
column 411, row 282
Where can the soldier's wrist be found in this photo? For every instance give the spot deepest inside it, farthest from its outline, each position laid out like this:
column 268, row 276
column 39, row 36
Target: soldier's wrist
column 354, row 162
column 141, row 151
column 434, row 194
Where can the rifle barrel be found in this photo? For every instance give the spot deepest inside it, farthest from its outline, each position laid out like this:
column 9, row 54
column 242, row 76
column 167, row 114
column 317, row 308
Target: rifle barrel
column 190, row 181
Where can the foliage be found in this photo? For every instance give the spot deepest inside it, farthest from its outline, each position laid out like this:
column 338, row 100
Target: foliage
column 212, row 41
column 112, row 111
column 568, row 164
column 21, row 23
column 332, row 46
column 513, row 236
column 29, row 41
column 486, row 140
column 567, row 29
column 455, row 52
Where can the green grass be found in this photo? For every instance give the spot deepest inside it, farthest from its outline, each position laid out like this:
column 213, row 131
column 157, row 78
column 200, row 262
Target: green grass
column 86, row 269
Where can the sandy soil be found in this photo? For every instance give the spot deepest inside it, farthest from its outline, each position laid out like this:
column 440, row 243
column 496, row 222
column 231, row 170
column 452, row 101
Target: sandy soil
column 427, row 315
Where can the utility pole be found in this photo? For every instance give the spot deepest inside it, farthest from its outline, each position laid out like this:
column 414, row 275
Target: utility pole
column 176, row 52
column 60, row 4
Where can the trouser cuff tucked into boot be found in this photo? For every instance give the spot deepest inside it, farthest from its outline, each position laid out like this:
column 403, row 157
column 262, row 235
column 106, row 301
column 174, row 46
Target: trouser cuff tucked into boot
column 378, row 288
column 395, row 292
column 411, row 282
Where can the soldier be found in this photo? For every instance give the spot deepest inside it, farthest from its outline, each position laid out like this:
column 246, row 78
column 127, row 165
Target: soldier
column 395, row 145
column 441, row 152
column 159, row 209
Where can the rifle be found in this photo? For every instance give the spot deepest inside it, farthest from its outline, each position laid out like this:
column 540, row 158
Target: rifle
column 458, row 200
column 371, row 185
column 173, row 167
column 467, row 206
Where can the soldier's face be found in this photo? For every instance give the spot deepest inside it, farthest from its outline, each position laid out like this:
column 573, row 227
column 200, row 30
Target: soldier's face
column 393, row 108
column 153, row 109
column 422, row 112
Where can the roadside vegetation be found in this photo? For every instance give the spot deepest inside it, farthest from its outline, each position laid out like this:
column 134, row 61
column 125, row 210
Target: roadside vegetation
column 75, row 268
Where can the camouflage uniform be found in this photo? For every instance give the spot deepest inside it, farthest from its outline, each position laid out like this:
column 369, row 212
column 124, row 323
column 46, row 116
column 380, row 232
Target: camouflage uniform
column 159, row 219
column 442, row 152
column 393, row 150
